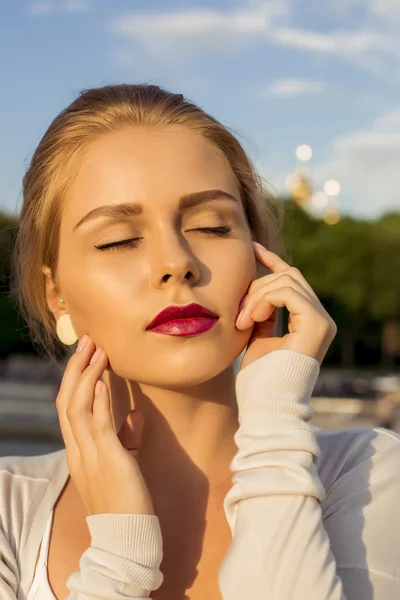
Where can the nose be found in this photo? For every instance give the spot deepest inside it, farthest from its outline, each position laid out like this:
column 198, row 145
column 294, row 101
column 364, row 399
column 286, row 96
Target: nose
column 173, row 261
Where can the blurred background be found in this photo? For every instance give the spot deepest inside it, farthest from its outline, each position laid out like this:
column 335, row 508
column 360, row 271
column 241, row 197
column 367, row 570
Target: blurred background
column 312, row 92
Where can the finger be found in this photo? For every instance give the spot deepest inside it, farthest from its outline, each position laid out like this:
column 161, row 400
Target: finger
column 104, row 435
column 293, row 272
column 274, row 281
column 131, row 432
column 269, row 259
column 80, row 409
column 305, row 318
column 296, row 303
column 102, row 417
column 75, row 367
column 245, row 318
column 69, row 383
column 265, row 327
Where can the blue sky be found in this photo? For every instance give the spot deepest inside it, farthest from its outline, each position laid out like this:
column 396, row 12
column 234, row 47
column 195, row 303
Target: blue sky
column 281, row 73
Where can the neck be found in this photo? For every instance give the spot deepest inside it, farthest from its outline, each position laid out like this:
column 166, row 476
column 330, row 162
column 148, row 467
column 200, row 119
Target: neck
column 188, row 438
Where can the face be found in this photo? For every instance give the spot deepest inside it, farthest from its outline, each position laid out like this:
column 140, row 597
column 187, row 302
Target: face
column 112, row 294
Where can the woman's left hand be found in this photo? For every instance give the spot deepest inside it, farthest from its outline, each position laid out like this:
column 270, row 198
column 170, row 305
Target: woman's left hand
column 311, row 328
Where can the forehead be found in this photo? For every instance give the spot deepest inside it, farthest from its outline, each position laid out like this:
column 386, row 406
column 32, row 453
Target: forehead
column 147, row 164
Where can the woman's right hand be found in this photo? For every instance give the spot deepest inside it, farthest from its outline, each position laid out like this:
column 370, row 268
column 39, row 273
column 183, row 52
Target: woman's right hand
column 106, row 475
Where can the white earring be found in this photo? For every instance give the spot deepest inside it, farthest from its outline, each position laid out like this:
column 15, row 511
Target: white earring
column 65, row 330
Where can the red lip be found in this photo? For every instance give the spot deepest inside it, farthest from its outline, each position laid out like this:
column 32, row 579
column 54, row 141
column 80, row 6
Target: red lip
column 172, row 313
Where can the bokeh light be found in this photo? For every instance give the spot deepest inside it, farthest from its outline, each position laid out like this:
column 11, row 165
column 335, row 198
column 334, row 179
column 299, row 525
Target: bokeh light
column 304, row 152
column 332, row 187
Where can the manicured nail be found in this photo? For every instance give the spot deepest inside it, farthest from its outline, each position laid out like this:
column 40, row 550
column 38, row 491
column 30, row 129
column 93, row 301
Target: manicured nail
column 241, row 305
column 82, row 343
column 96, row 356
column 240, row 316
column 98, row 387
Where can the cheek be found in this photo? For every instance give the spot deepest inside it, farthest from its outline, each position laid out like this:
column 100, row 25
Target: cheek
column 101, row 299
column 243, row 270
column 235, row 275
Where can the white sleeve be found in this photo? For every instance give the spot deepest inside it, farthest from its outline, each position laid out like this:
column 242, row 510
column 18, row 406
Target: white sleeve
column 292, row 539
column 9, row 572
column 122, row 561
column 280, row 548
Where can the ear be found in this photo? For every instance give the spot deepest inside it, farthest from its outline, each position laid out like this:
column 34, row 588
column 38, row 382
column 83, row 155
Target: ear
column 52, row 294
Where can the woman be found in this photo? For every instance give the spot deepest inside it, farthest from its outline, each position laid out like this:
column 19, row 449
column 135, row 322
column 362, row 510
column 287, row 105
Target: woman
column 136, row 201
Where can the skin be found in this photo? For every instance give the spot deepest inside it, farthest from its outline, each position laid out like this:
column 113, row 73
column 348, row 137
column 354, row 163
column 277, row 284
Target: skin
column 183, row 386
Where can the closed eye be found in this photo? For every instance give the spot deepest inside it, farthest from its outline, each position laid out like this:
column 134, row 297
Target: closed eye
column 222, row 231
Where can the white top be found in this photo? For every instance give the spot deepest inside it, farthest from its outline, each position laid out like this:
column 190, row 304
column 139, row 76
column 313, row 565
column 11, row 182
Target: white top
column 40, row 588
column 314, row 515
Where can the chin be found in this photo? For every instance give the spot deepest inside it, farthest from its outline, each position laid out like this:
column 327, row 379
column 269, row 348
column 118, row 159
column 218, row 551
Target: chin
column 184, row 366
column 179, row 379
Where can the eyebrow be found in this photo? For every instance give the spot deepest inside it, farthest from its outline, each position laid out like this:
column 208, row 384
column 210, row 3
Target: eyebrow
column 135, row 209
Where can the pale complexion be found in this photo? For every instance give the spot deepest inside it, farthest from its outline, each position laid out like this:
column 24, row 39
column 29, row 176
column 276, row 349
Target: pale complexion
column 184, row 386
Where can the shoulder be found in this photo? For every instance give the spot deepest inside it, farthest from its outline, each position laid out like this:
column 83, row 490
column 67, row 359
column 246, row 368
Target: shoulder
column 371, row 452
column 22, row 472
column 18, row 470
column 360, row 471
column 24, row 481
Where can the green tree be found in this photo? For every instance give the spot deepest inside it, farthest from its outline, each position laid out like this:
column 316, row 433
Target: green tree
column 14, row 335
column 383, row 301
column 351, row 266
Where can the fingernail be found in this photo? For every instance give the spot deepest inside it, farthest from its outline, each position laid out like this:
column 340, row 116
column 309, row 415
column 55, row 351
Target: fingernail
column 98, row 387
column 240, row 316
column 241, row 305
column 82, row 343
column 95, row 356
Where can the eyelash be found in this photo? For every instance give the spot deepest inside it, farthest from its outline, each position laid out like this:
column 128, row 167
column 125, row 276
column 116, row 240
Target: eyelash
column 222, row 231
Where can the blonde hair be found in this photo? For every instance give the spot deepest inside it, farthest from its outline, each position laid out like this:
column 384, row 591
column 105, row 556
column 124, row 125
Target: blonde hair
column 54, row 165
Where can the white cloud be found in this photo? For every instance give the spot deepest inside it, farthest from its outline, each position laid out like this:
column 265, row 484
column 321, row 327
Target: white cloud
column 366, row 163
column 198, row 22
column 388, row 122
column 292, row 88
column 187, row 24
column 386, row 9
column 366, row 48
column 46, row 7
column 370, row 43
column 306, row 40
column 336, row 42
column 201, row 31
